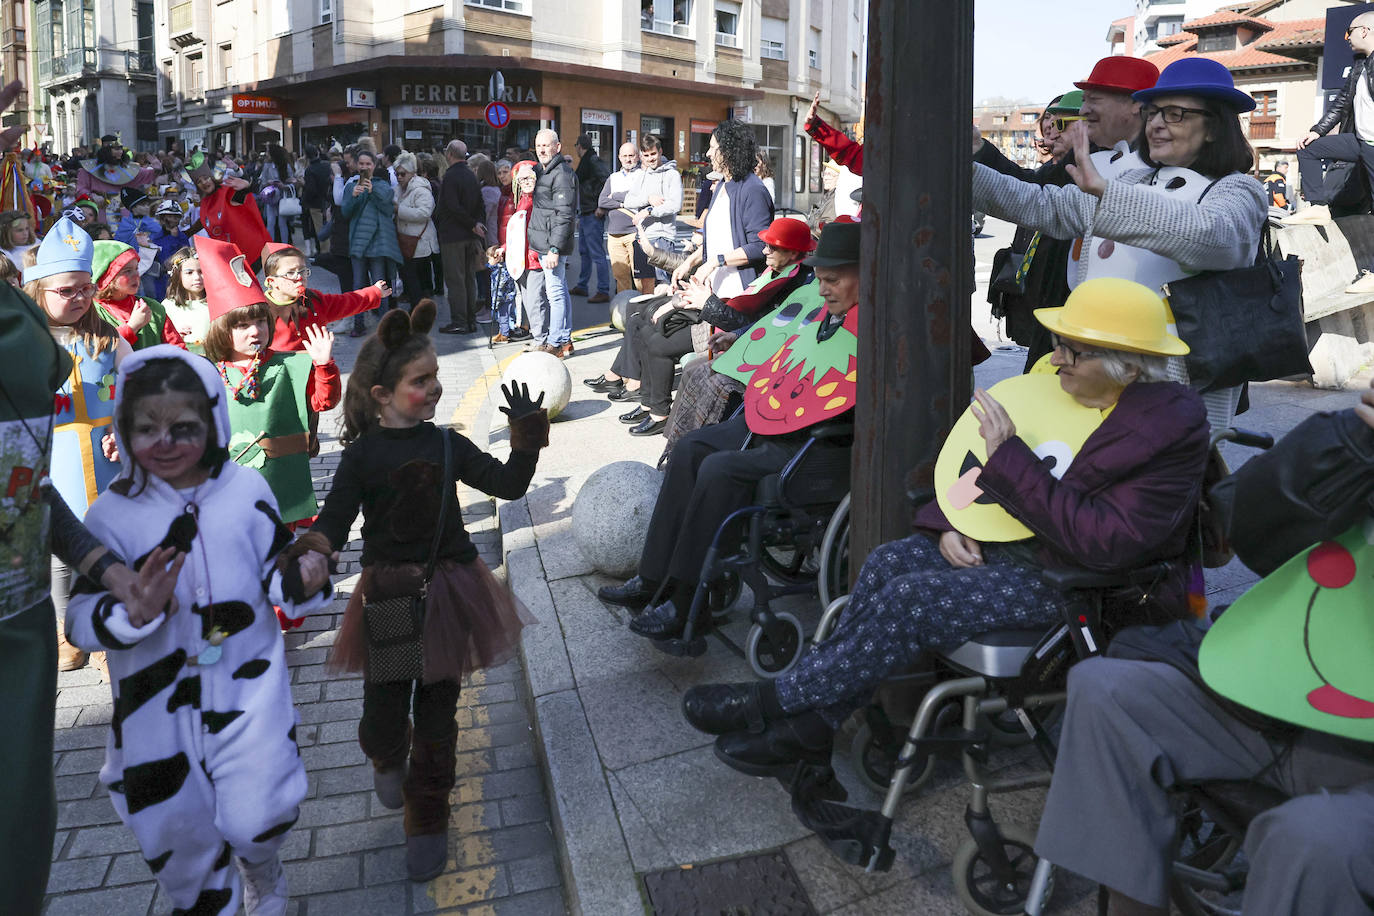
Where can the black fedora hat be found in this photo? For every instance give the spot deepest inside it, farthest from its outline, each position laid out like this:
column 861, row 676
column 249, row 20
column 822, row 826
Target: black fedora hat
column 839, row 245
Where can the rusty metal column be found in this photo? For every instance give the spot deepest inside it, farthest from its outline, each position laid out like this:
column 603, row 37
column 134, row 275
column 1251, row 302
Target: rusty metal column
column 917, row 268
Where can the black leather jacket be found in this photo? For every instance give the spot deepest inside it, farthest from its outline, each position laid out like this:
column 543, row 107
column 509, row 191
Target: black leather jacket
column 1342, row 111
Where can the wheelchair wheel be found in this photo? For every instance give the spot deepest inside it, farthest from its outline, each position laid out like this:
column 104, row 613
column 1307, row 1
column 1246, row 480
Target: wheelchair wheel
column 873, row 760
column 981, row 892
column 772, row 658
column 1005, row 729
column 834, row 555
column 1204, row 845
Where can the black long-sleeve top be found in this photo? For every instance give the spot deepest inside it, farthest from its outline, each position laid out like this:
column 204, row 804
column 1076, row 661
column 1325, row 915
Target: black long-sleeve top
column 394, row 476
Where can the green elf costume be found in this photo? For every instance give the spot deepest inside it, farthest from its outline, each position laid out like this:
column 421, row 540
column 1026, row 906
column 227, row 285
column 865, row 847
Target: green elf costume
column 111, row 258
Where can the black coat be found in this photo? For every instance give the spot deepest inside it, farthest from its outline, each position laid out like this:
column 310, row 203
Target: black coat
column 555, row 208
column 591, row 173
column 318, row 191
column 459, row 206
column 1342, row 111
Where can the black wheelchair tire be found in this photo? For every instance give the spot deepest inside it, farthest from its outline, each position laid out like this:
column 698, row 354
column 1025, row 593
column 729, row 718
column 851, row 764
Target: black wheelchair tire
column 1005, row 730
column 975, row 885
column 833, row 579
column 873, row 763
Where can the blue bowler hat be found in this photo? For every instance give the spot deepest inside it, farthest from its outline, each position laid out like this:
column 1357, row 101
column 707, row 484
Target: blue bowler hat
column 65, row 248
column 1198, row 76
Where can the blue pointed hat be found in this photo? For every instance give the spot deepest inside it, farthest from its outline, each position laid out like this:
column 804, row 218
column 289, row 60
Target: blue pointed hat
column 65, row 248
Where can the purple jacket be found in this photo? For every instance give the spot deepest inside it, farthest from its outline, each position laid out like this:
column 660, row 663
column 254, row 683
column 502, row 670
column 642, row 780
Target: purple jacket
column 1128, row 499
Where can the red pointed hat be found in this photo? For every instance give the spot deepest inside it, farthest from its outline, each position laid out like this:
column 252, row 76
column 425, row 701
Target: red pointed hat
column 229, row 281
column 273, row 248
column 1121, row 74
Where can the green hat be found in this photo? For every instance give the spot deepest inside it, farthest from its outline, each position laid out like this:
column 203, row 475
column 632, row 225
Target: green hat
column 1070, row 101
column 110, row 258
column 1299, row 645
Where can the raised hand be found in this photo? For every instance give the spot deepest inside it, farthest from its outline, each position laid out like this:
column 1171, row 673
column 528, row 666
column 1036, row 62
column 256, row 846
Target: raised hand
column 152, row 590
column 518, row 398
column 383, row 287
column 815, row 104
column 1082, row 170
column 319, row 343
column 994, row 423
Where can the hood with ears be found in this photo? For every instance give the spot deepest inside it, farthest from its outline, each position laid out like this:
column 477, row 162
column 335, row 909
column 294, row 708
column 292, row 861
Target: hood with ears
column 209, row 379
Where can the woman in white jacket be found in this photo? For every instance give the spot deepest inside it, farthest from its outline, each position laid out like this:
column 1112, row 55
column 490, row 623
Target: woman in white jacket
column 414, row 226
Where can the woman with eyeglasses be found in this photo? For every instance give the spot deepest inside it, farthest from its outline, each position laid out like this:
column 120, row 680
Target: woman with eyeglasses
column 1127, row 499
column 1192, row 208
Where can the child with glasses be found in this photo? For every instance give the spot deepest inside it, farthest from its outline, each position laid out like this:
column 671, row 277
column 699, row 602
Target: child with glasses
column 295, row 307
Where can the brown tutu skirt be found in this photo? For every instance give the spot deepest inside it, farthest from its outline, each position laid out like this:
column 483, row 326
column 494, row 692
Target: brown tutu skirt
column 471, row 620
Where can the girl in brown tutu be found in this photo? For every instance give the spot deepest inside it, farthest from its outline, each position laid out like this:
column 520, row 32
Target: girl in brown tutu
column 392, row 468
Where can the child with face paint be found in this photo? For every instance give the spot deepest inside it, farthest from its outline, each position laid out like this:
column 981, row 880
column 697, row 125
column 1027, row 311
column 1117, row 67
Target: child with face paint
column 295, row 309
column 139, row 320
column 270, row 394
column 201, row 761
column 393, row 469
column 185, row 303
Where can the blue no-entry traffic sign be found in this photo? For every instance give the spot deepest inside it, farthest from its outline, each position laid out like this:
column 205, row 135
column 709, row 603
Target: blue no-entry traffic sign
column 497, row 114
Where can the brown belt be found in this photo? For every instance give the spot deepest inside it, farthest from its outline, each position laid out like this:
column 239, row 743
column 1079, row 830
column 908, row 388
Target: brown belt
column 281, row 446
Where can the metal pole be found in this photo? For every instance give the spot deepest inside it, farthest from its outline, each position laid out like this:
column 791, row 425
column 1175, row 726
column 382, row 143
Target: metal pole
column 917, row 267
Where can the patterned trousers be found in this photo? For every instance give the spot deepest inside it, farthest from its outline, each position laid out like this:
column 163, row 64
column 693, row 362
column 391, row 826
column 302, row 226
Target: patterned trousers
column 908, row 599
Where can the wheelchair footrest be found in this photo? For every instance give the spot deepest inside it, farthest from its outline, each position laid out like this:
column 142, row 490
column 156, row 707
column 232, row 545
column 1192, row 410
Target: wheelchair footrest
column 682, row 648
column 858, row 836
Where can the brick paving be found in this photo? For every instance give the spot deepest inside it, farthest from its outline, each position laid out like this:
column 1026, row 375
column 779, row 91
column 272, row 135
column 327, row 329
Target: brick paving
column 346, row 854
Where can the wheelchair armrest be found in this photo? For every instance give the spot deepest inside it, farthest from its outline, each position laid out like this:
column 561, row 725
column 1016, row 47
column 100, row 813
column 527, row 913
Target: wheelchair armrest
column 829, row 431
column 1070, row 578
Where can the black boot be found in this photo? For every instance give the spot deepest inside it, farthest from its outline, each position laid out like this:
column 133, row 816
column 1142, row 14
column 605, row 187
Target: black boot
column 635, row 593
column 661, row 622
column 719, row 709
column 801, row 738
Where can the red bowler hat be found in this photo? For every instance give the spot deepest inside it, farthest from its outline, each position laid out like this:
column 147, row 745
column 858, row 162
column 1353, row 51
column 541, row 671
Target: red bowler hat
column 229, row 281
column 791, row 234
column 1121, row 74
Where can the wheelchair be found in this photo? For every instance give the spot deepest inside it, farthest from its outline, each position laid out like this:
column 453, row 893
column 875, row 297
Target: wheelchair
column 794, row 540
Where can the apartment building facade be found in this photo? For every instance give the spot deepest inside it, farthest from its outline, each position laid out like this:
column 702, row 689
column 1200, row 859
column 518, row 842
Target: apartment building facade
column 235, row 74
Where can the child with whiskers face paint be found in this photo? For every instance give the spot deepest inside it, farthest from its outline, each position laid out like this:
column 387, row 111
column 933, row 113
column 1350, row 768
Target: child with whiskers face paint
column 201, row 760
column 393, row 468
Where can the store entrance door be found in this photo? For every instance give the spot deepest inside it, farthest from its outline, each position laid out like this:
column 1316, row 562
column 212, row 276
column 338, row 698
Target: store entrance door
column 603, row 127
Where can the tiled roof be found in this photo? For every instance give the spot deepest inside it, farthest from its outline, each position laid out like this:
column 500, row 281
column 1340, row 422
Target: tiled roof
column 1162, row 59
column 1223, row 18
column 1296, row 33
column 1175, row 38
column 1251, row 58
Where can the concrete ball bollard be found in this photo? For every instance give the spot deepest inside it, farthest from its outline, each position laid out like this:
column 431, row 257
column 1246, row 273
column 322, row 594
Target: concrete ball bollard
column 543, row 372
column 610, row 517
column 620, row 306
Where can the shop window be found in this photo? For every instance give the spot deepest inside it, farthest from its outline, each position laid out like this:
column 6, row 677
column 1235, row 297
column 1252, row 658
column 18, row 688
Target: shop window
column 773, row 40
column 661, row 128
column 799, row 145
column 727, row 23
column 771, row 139
column 667, row 17
column 813, row 49
column 506, row 6
column 817, row 163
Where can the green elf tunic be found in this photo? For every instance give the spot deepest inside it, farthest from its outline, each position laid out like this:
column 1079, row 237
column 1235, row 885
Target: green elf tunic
column 269, row 405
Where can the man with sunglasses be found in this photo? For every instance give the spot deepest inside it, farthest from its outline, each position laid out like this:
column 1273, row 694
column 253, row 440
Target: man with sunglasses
column 1353, row 112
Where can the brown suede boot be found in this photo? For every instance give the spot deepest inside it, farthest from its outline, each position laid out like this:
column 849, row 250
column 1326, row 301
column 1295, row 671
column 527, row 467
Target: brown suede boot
column 69, row 657
column 388, row 768
column 427, row 789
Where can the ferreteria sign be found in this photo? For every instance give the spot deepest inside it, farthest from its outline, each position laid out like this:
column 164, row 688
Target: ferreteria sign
column 449, row 93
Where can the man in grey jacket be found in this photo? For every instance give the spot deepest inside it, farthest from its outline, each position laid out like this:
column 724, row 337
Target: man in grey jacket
column 620, row 226
column 656, row 197
column 551, row 237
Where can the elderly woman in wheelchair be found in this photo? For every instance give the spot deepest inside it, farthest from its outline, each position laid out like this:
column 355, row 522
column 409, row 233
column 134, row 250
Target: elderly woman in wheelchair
column 1127, row 499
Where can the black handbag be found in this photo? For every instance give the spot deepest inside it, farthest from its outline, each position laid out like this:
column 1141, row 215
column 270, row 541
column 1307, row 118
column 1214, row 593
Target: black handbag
column 1315, row 483
column 395, row 626
column 1242, row 325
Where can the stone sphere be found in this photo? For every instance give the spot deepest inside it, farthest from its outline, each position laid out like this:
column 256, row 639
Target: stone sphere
column 610, row 516
column 619, row 304
column 542, row 372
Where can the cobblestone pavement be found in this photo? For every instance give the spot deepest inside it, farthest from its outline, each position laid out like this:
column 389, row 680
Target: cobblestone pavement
column 345, row 857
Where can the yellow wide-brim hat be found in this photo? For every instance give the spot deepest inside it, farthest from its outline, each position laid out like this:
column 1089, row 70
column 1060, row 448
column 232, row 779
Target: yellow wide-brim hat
column 1120, row 314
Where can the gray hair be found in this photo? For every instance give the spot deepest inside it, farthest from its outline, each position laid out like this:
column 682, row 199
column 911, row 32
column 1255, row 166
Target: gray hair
column 456, row 150
column 504, row 163
column 1124, row 367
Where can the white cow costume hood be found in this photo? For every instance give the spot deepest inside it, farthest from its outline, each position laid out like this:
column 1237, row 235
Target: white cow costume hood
column 201, row 760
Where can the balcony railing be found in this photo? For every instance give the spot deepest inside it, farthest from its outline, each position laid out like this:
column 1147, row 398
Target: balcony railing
column 90, row 60
column 664, row 27
column 1264, row 128
column 727, row 40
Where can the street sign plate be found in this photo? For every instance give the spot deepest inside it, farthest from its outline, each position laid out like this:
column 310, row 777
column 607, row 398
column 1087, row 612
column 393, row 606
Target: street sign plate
column 497, row 114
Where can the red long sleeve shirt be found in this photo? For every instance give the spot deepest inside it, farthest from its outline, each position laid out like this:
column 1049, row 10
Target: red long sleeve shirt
column 842, row 149
column 322, row 308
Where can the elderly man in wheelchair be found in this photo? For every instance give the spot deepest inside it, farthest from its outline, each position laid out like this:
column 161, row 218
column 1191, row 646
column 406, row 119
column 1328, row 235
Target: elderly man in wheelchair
column 1161, row 743
column 709, row 475
column 1128, row 498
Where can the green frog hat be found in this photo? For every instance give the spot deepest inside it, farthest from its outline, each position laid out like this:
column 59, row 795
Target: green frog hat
column 1299, row 646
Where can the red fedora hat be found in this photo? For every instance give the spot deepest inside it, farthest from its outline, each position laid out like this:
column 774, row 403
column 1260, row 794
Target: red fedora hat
column 791, row 234
column 1121, row 74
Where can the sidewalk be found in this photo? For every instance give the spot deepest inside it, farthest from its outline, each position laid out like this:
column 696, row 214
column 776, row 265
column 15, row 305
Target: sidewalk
column 635, row 788
column 345, row 857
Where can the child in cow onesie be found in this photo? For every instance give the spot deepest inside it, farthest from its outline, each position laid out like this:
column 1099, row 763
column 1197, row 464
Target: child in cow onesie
column 201, row 762
column 393, row 468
